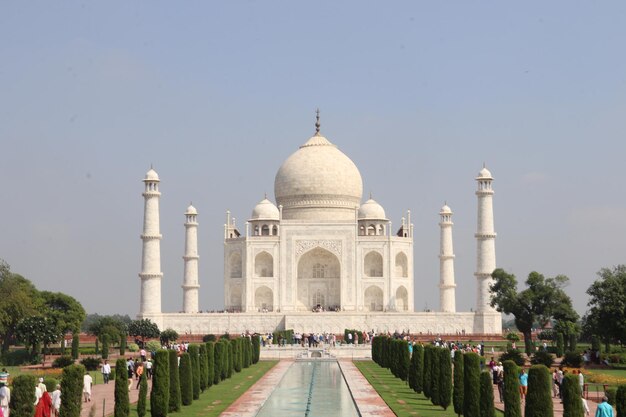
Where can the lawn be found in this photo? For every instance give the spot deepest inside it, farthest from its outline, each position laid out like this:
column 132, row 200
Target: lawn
column 217, row 398
column 402, row 400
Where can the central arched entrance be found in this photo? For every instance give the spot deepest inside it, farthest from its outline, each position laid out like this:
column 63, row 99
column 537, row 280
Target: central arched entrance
column 319, row 284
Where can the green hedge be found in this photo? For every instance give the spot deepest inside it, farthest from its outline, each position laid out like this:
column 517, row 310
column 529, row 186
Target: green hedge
column 194, row 356
column 204, row 365
column 23, row 396
column 445, row 378
column 72, row 389
column 572, row 406
column 359, row 334
column 256, row 348
column 457, row 394
column 487, row 408
column 210, row 353
column 512, row 402
column 620, row 401
column 160, row 394
column 143, row 393
column 428, row 369
column 186, row 379
column 539, row 398
column 121, row 408
column 471, row 385
column 175, row 400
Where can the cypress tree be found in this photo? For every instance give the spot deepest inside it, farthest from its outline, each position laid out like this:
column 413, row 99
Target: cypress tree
column 487, row 408
column 72, row 388
column 471, row 385
column 573, row 340
column 572, row 405
column 75, row 345
column 403, row 359
column 231, row 359
column 445, row 378
column 512, row 401
column 457, row 395
column 175, row 400
column 247, row 352
column 428, row 369
column 194, row 355
column 559, row 345
column 160, row 394
column 204, row 364
column 539, row 398
column 105, row 346
column 143, row 393
column 219, row 363
column 121, row 389
column 237, row 353
column 620, row 401
column 210, row 356
column 23, row 396
column 419, row 368
column 412, row 370
column 123, row 344
column 186, row 380
column 434, row 376
column 256, row 349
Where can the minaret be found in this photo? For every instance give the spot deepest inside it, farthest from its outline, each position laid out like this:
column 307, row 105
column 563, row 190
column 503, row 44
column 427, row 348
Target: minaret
column 190, row 281
column 485, row 241
column 151, row 255
column 446, row 263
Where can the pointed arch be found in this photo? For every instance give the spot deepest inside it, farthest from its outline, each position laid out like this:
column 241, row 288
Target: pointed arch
column 264, row 265
column 264, row 298
column 373, row 264
column 373, row 298
column 402, row 265
column 318, row 283
column 402, row 299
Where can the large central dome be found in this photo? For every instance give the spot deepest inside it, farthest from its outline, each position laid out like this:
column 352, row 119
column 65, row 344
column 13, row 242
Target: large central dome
column 318, row 182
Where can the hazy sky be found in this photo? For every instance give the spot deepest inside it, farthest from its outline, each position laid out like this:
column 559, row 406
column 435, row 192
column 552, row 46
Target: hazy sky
column 216, row 95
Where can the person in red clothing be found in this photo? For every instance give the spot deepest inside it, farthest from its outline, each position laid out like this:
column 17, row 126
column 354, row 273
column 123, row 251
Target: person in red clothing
column 43, row 406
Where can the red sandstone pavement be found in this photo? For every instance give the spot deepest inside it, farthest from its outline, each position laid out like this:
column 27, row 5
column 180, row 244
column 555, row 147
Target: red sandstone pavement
column 102, row 397
column 369, row 403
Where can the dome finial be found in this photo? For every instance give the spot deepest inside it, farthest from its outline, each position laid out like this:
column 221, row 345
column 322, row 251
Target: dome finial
column 317, row 122
column 265, row 196
column 370, row 195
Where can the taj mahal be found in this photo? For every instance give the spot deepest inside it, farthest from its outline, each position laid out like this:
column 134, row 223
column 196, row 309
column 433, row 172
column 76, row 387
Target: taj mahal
column 319, row 259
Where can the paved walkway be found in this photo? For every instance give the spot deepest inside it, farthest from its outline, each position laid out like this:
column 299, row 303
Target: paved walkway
column 367, row 400
column 103, row 398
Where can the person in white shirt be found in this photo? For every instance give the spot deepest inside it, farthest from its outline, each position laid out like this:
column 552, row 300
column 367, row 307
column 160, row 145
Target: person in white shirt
column 106, row 371
column 56, row 401
column 5, row 394
column 87, row 382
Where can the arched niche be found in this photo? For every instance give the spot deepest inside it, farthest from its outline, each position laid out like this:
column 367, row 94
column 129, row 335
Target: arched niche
column 402, row 299
column 402, row 265
column 319, row 284
column 373, row 264
column 373, row 298
column 264, row 298
column 264, row 265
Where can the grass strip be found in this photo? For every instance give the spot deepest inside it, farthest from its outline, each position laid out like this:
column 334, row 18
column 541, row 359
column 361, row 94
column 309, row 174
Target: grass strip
column 219, row 397
column 402, row 400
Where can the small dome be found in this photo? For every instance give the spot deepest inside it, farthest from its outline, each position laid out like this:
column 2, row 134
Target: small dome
column 371, row 210
column 445, row 210
column 265, row 210
column 152, row 175
column 484, row 174
column 191, row 210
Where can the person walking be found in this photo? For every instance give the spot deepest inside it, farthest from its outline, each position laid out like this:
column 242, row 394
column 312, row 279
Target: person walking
column 56, row 401
column 139, row 372
column 87, row 383
column 5, row 394
column 604, row 408
column 523, row 384
column 106, row 371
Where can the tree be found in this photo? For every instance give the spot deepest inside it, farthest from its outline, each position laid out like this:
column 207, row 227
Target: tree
column 539, row 398
column 543, row 300
column 457, row 394
column 607, row 302
column 23, row 396
column 186, row 379
column 195, row 370
column 105, row 346
column 559, row 345
column 35, row 331
column 512, row 402
column 237, row 352
column 445, row 378
column 121, row 408
column 20, row 299
column 428, row 369
column 143, row 328
column 471, row 385
column 487, row 408
column 175, row 401
column 72, row 388
column 160, row 394
column 75, row 345
column 143, row 393
column 256, row 349
column 204, row 365
column 434, row 376
column 167, row 336
column 65, row 311
column 620, row 401
column 210, row 354
column 218, row 362
column 413, row 370
column 572, row 406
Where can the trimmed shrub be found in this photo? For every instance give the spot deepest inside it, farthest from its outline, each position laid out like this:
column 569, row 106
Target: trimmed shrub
column 160, row 394
column 186, row 379
column 75, row 346
column 210, row 354
column 428, row 369
column 247, row 352
column 513, row 355
column 419, row 367
column 209, row 338
column 572, row 405
column 123, row 345
column 539, row 398
column 121, row 408
column 620, row 401
column 143, row 394
column 611, row 394
column 573, row 359
column 542, row 357
column 413, row 370
column 72, row 388
column 487, row 408
column 91, row 363
column 105, row 346
column 204, row 364
column 457, row 394
column 402, row 359
column 595, row 343
column 434, row 376
column 220, row 372
column 175, row 400
column 471, row 385
column 23, row 396
column 256, row 349
column 573, row 340
column 512, row 401
column 194, row 356
column 62, row 362
column 230, row 364
column 560, row 345
column 132, row 347
column 50, row 383
column 237, row 354
column 445, row 378
column 512, row 337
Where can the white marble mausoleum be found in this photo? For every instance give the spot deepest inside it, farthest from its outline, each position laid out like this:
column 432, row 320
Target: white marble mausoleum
column 319, row 258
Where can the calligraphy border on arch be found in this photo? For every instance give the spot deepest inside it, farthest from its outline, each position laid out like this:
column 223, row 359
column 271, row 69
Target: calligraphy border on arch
column 303, row 246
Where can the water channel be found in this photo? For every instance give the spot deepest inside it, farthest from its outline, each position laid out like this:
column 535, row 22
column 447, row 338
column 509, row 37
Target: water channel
column 311, row 389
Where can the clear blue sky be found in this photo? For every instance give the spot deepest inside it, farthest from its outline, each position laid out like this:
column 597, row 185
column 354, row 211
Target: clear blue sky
column 218, row 94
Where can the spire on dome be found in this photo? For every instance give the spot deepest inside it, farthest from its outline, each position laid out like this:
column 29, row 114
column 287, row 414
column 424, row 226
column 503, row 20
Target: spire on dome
column 317, row 122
